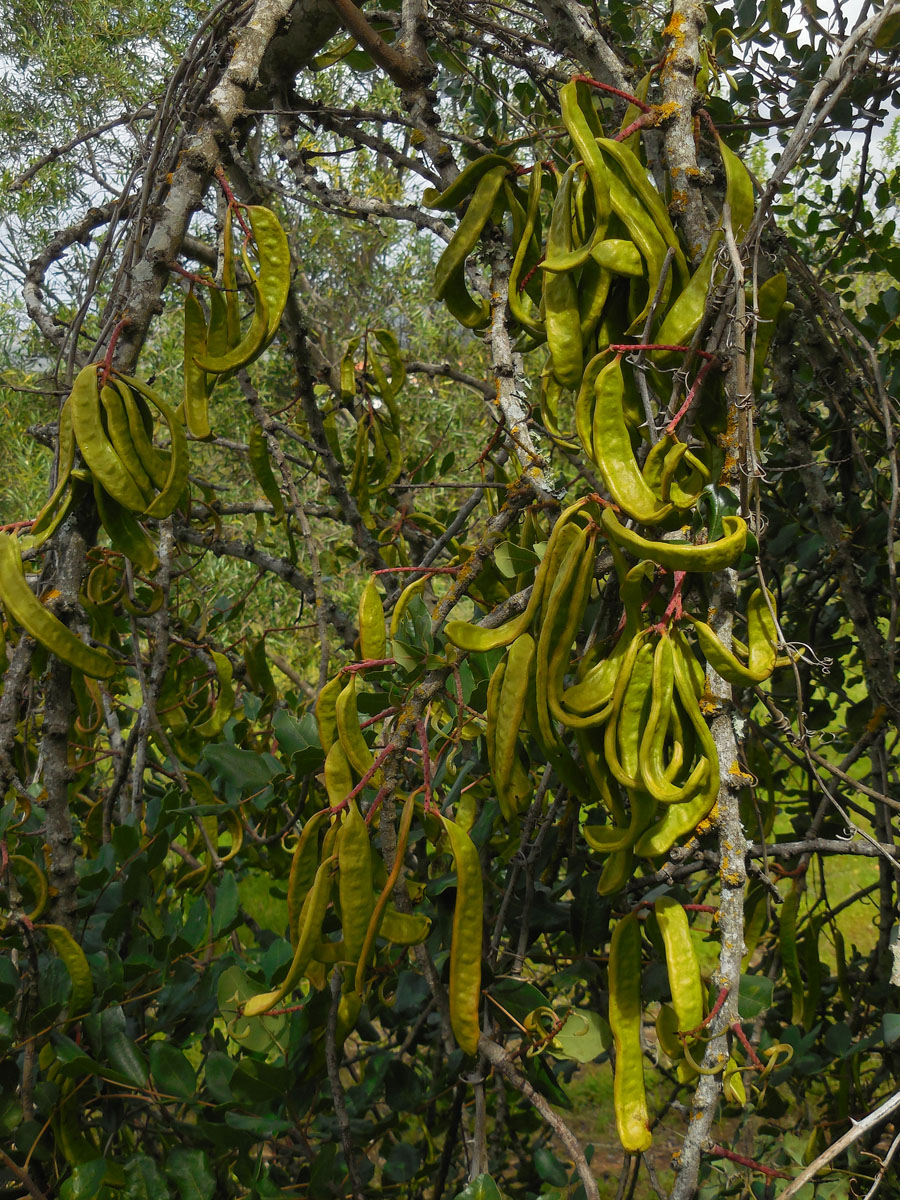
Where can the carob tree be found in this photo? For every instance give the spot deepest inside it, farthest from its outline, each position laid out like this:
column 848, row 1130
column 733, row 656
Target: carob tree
column 349, row 807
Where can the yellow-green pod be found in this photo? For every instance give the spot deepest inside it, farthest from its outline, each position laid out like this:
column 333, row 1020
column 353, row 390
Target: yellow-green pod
column 176, row 478
column 466, row 937
column 355, row 882
column 77, row 965
column 685, row 981
column 326, row 720
column 372, row 635
column 125, row 532
column 349, row 732
column 196, row 392
column 224, row 705
column 274, row 257
column 258, row 454
column 97, row 451
column 26, row 610
column 629, row 1094
column 682, row 556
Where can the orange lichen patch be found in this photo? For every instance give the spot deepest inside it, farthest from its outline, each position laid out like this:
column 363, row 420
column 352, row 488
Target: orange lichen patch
column 693, row 172
column 709, row 822
column 679, row 200
column 674, row 28
column 662, row 112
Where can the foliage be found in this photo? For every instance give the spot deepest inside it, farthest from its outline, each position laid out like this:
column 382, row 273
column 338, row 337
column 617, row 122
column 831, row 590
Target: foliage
column 311, row 882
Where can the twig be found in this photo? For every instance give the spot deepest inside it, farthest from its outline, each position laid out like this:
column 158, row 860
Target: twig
column 853, row 1134
column 499, row 1059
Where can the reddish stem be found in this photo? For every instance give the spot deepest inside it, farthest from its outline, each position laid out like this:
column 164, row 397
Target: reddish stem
column 526, row 278
column 183, row 271
column 674, row 610
column 111, row 349
column 707, row 908
column 388, row 712
column 336, row 808
column 614, row 91
column 422, row 570
column 689, row 398
column 720, row 1000
column 717, row 1151
column 738, row 1032
column 624, row 349
column 14, row 525
column 647, row 118
column 352, row 668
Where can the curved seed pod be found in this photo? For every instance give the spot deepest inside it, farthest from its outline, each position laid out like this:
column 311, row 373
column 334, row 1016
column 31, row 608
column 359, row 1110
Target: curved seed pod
column 643, row 232
column 76, row 964
column 584, row 401
column 634, row 172
column 612, row 839
column 465, row 944
column 404, row 929
column 738, row 191
column 685, row 982
column 372, row 635
column 653, row 772
column 621, row 736
column 586, row 147
column 593, row 294
column 253, row 343
column 176, row 479
column 49, row 516
column 258, row 454
column 120, row 437
column 125, row 531
column 506, row 718
column 304, row 863
column 683, row 317
column 464, row 184
column 140, row 425
column 224, row 706
column 229, row 285
column 667, row 1028
column 338, row 778
column 37, row 881
column 617, row 870
column 561, row 316
column 770, row 301
column 557, row 628
column 519, row 306
column 680, row 819
column 468, row 636
column 196, row 391
column 613, row 454
column 274, row 257
column 449, row 279
column 416, row 588
column 355, row 882
column 381, row 904
column 682, row 556
column 619, row 257
column 26, row 610
column 97, row 451
column 561, row 646
column 762, row 636
column 312, row 917
column 351, row 739
column 325, row 708
column 629, row 1096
